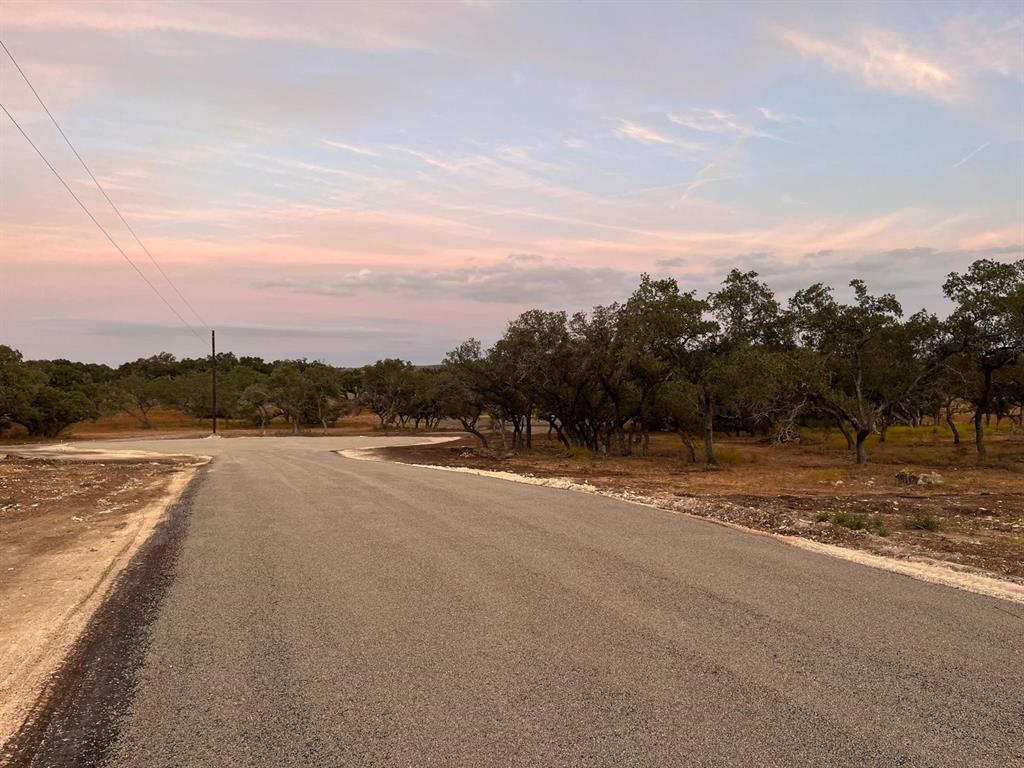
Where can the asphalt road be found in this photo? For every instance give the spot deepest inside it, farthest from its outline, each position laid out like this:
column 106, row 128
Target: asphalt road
column 331, row 612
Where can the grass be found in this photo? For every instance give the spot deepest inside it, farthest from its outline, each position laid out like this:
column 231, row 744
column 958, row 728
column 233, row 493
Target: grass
column 924, row 523
column 732, row 457
column 856, row 522
column 901, row 434
column 851, row 520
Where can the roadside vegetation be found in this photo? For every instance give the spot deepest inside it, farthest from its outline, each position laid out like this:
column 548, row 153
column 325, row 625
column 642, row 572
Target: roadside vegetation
column 736, row 361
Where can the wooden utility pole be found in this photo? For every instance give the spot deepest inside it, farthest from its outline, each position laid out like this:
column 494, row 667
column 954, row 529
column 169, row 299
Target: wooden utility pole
column 213, row 370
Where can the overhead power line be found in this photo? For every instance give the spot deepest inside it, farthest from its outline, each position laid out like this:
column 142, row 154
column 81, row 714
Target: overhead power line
column 100, row 186
column 101, row 227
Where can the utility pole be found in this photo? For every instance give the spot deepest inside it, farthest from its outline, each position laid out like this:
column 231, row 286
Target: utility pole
column 213, row 370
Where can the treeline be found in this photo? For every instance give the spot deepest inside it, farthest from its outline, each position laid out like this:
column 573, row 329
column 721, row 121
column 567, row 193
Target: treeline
column 737, row 359
column 44, row 397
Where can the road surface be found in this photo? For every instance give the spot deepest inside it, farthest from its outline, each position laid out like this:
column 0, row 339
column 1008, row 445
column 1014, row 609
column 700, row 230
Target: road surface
column 320, row 611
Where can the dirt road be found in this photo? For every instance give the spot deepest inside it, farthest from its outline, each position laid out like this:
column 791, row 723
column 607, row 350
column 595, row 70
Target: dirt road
column 306, row 609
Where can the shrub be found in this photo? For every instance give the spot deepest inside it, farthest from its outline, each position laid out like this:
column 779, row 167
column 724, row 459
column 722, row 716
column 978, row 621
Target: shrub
column 924, row 523
column 850, row 520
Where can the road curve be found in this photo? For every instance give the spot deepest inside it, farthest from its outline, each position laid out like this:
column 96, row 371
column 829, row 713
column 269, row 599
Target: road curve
column 329, row 612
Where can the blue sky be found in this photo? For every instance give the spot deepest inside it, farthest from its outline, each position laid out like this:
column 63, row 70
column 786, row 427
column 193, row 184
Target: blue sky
column 363, row 180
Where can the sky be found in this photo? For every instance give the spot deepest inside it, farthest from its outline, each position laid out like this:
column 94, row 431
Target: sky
column 347, row 182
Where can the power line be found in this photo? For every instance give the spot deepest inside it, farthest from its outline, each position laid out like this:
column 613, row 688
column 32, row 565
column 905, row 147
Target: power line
column 101, row 227
column 98, row 185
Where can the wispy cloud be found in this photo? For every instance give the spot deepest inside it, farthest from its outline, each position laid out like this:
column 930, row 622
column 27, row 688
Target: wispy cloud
column 717, row 122
column 519, row 279
column 645, row 135
column 880, row 58
column 358, row 26
column 351, row 148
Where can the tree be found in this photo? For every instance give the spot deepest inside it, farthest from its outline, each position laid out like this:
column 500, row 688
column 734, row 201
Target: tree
column 986, row 328
column 28, row 398
column 137, row 396
column 748, row 314
column 874, row 360
column 257, row 401
column 325, row 391
column 17, row 385
column 388, row 389
column 752, row 370
column 545, row 358
column 463, row 383
column 289, row 390
column 662, row 332
column 688, row 341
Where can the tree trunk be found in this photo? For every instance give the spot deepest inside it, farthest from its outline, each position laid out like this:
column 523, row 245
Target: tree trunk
column 846, row 434
column 982, row 409
column 626, row 440
column 645, row 446
column 691, row 452
column 709, row 435
column 561, row 435
column 862, row 454
column 952, row 427
column 471, row 428
column 979, row 434
column 529, row 429
column 881, row 433
column 295, row 426
column 141, row 416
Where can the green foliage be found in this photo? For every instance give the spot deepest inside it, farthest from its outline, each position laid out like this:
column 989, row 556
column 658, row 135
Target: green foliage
column 873, row 361
column 851, row 520
column 665, row 359
column 43, row 398
column 857, row 522
column 986, row 337
column 924, row 522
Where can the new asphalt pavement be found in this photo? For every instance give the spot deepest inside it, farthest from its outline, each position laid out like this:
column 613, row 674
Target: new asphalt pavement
column 305, row 609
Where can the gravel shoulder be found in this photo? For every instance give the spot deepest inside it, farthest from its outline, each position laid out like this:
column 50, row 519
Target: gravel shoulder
column 69, row 523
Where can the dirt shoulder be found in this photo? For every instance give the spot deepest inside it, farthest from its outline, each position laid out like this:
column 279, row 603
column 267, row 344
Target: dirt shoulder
column 972, row 523
column 68, row 525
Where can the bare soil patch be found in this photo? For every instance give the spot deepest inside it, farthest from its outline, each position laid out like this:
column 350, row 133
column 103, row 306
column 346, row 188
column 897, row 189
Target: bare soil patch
column 973, row 521
column 67, row 527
